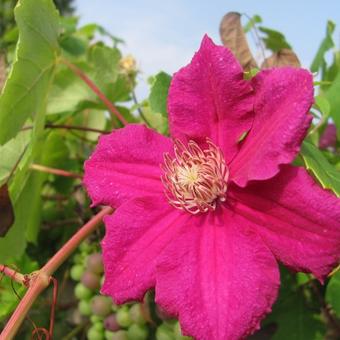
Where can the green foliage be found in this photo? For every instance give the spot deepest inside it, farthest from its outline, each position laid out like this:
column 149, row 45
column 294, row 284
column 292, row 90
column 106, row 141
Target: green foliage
column 332, row 95
column 159, row 93
column 24, row 95
column 274, row 40
column 317, row 163
column 319, row 61
column 333, row 292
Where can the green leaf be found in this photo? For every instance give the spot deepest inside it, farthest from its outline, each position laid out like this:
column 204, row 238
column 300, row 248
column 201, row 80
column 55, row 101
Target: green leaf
column 332, row 95
column 95, row 119
column 327, row 43
column 274, row 40
column 159, row 93
column 11, row 152
column 256, row 19
column 316, row 162
column 333, row 292
column 156, row 120
column 68, row 93
column 28, row 83
column 295, row 320
column 323, row 105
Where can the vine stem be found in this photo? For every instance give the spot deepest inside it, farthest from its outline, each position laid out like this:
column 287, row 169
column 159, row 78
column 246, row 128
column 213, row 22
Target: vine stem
column 95, row 89
column 41, row 279
column 54, row 171
column 13, row 274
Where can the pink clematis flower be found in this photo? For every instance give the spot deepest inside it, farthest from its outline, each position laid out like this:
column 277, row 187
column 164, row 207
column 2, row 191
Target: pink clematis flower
column 204, row 216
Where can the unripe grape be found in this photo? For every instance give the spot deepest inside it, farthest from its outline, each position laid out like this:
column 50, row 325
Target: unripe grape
column 111, row 324
column 96, row 318
column 95, row 334
column 84, row 307
column 328, row 137
column 95, row 263
column 76, row 317
column 85, row 247
column 91, row 280
column 123, row 317
column 164, row 333
column 98, row 326
column 108, row 335
column 137, row 332
column 76, row 272
column 136, row 314
column 119, row 335
column 101, row 305
column 81, row 292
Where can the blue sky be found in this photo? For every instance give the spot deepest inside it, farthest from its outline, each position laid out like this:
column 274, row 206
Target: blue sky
column 163, row 35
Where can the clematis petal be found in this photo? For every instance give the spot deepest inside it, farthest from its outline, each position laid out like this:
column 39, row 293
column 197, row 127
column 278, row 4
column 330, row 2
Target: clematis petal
column 299, row 221
column 136, row 235
column 218, row 277
column 210, row 98
column 283, row 97
column 126, row 164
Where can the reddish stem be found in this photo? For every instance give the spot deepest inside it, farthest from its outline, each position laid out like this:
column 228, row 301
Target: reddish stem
column 13, row 274
column 41, row 279
column 96, row 90
column 54, row 171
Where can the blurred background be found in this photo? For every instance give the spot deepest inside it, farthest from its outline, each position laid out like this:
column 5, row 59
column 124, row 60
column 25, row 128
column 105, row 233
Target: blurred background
column 163, row 35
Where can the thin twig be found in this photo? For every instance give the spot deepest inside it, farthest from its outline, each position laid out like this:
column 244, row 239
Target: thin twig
column 68, row 127
column 16, row 164
column 95, row 89
column 140, row 112
column 54, row 171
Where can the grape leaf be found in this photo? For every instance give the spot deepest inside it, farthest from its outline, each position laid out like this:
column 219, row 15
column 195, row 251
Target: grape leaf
column 274, row 40
column 159, row 93
column 295, row 320
column 316, row 162
column 27, row 85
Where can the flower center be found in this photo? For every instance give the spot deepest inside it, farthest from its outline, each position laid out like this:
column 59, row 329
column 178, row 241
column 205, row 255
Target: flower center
column 195, row 179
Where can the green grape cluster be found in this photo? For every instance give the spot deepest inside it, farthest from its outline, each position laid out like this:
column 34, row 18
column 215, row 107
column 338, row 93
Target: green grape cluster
column 108, row 321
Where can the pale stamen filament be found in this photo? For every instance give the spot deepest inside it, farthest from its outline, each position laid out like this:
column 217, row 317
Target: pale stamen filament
column 195, row 179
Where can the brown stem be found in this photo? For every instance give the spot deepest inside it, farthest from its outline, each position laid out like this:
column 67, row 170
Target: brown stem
column 325, row 309
column 54, row 171
column 16, row 165
column 41, row 279
column 96, row 90
column 67, row 127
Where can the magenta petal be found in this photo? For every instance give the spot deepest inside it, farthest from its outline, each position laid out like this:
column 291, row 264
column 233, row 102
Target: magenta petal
column 126, row 164
column 136, row 235
column 283, row 99
column 218, row 277
column 299, row 221
column 210, row 98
